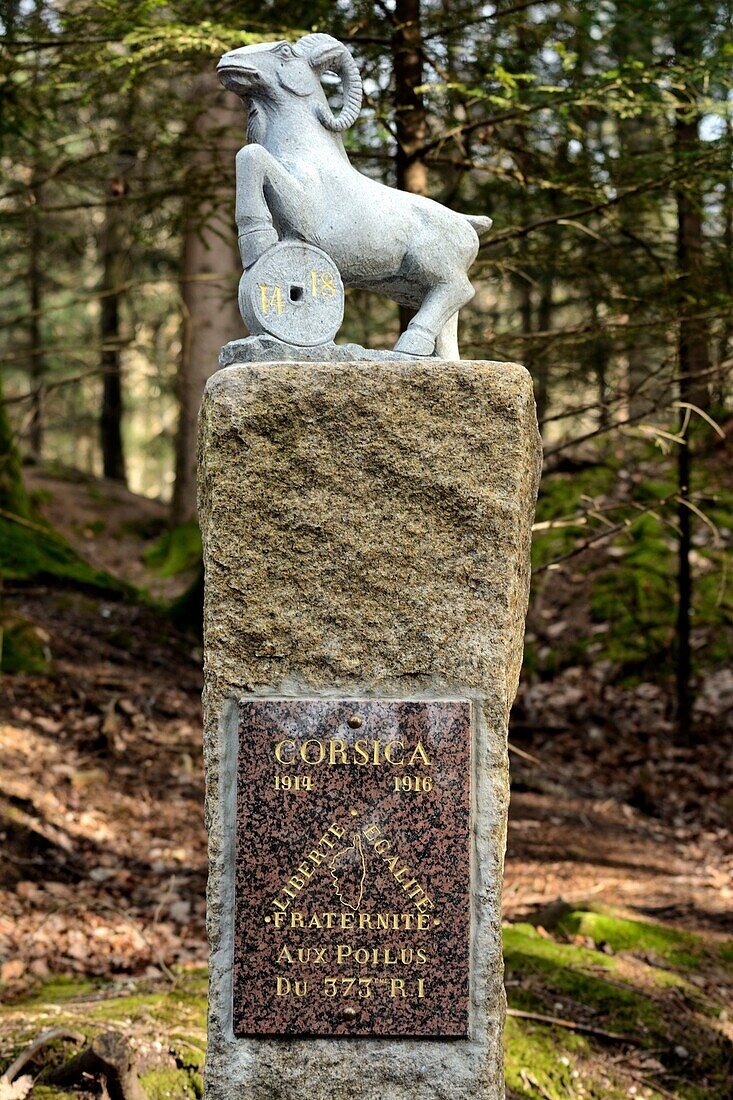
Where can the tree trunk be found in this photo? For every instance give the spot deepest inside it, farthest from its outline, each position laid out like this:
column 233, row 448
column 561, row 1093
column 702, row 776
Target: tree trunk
column 410, row 115
column 35, row 334
column 636, row 144
column 35, row 257
column 541, row 358
column 115, row 257
column 599, row 356
column 726, row 329
column 211, row 269
column 693, row 363
column 13, row 497
column 693, row 358
column 411, row 123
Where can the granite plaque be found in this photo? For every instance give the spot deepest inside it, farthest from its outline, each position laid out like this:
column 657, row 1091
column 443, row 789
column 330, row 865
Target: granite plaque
column 352, row 908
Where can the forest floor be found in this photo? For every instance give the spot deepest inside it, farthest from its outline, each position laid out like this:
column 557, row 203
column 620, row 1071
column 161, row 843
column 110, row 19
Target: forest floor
column 618, row 876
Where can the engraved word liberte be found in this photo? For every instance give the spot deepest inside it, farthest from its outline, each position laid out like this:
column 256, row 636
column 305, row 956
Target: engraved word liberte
column 323, row 851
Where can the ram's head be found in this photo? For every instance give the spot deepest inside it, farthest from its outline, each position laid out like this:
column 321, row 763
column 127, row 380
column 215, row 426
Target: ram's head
column 271, row 70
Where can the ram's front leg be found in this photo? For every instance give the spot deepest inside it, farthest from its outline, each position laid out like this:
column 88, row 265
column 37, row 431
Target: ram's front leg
column 259, row 175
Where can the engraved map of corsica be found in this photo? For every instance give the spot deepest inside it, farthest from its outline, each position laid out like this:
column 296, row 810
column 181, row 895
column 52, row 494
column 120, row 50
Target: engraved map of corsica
column 348, row 871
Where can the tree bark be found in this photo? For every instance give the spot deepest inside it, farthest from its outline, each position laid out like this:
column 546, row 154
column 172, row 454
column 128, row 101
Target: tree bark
column 726, row 329
column 111, row 1061
column 13, row 497
column 693, row 359
column 599, row 356
column 541, row 359
column 35, row 260
column 35, row 334
column 411, row 120
column 211, row 269
column 115, row 257
column 693, row 363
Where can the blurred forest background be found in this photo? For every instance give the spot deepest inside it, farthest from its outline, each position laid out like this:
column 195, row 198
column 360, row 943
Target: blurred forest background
column 599, row 137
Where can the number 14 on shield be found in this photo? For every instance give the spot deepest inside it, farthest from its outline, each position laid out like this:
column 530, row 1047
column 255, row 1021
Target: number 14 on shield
column 322, row 286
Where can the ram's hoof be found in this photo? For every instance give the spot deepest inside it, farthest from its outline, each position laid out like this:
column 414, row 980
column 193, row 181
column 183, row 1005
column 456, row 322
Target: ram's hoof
column 416, row 340
column 255, row 243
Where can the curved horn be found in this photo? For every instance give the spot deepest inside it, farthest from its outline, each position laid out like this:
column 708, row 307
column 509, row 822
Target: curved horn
column 324, row 52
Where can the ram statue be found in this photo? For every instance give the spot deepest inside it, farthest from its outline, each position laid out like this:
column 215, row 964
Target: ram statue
column 295, row 182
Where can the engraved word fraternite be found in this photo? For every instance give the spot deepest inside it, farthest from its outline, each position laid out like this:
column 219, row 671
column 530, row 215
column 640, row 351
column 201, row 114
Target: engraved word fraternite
column 295, row 182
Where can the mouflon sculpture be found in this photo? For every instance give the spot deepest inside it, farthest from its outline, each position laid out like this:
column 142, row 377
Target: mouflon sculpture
column 295, row 181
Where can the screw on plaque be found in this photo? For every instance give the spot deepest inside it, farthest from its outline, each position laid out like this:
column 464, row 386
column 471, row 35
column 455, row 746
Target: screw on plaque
column 349, row 1013
column 355, row 721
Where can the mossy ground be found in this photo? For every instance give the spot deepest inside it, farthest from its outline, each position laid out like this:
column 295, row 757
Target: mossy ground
column 663, row 989
column 176, row 551
column 30, row 550
column 166, row 1021
column 660, row 988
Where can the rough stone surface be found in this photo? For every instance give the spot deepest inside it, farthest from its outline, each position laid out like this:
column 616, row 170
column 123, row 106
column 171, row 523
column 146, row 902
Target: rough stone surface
column 259, row 349
column 366, row 533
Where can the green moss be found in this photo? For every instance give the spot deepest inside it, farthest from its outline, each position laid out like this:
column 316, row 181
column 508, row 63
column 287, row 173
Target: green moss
column 184, row 1003
column 30, row 550
column 173, row 1083
column 22, row 648
column 623, row 995
column 191, row 1049
column 51, row 1092
column 122, row 638
column 168, row 1007
column 176, row 551
column 573, row 972
column 726, row 952
column 187, row 612
column 536, row 1057
column 144, row 527
column 61, row 989
column 194, row 983
column 682, row 949
column 155, row 1012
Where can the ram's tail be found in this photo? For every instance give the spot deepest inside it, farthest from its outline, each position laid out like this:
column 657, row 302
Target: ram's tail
column 479, row 223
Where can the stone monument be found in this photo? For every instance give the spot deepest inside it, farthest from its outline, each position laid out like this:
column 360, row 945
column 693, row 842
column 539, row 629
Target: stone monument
column 366, row 520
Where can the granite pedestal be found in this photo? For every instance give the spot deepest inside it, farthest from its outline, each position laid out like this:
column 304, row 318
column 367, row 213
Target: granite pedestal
column 366, row 534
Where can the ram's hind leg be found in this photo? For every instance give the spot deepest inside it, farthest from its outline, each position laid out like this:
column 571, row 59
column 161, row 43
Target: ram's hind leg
column 436, row 311
column 446, row 345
